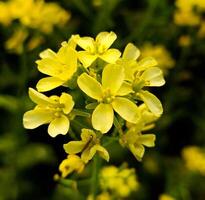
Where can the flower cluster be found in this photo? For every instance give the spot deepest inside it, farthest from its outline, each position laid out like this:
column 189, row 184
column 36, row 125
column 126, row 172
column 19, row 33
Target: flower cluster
column 118, row 182
column 194, row 158
column 190, row 13
column 33, row 14
column 106, row 98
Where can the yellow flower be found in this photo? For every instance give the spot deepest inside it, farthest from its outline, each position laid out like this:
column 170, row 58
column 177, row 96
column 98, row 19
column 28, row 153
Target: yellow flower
column 52, row 110
column 5, row 16
column 142, row 74
column 184, row 40
column 59, row 66
column 102, row 196
column 70, row 164
column 98, row 48
column 166, row 197
column 89, row 146
column 194, row 158
column 121, row 182
column 108, row 94
column 15, row 42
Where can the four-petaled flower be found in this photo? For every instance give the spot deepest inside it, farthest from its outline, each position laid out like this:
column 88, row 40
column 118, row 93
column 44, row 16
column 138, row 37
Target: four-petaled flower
column 98, row 48
column 51, row 110
column 59, row 66
column 89, row 146
column 108, row 94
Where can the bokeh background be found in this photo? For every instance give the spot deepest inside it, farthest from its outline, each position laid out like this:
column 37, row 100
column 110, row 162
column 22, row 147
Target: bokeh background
column 171, row 31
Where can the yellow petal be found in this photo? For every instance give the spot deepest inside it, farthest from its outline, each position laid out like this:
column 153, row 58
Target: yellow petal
column 105, row 39
column 87, row 135
column 68, row 56
column 90, row 86
column 126, row 109
column 110, row 56
column 67, row 101
column 154, row 77
column 87, row 43
column 131, row 52
column 125, row 89
column 74, row 147
column 102, row 117
column 34, row 118
column 152, row 102
column 48, row 83
column 137, row 150
column 146, row 63
column 48, row 53
column 102, row 152
column 86, row 58
column 58, row 126
column 112, row 78
column 39, row 98
column 147, row 140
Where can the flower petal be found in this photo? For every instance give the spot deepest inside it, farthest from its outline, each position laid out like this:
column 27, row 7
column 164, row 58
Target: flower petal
column 125, row 89
column 110, row 56
column 154, row 76
column 105, row 39
column 152, row 102
column 102, row 117
column 86, row 58
column 74, row 147
column 102, row 152
column 48, row 53
column 59, row 125
column 126, row 109
column 137, row 150
column 146, row 63
column 112, row 78
column 90, row 86
column 87, row 135
column 147, row 140
column 131, row 52
column 34, row 118
column 87, row 43
column 48, row 83
column 39, row 98
column 67, row 101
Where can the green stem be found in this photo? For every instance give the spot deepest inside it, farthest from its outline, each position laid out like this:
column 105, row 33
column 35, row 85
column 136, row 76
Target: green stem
column 95, row 173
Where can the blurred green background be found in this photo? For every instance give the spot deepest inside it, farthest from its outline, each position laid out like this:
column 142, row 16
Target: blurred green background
column 30, row 158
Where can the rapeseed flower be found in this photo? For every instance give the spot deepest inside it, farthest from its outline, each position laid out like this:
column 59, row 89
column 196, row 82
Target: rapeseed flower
column 70, row 164
column 120, row 182
column 51, row 110
column 98, row 48
column 194, row 158
column 89, row 146
column 142, row 74
column 59, row 66
column 166, row 197
column 109, row 95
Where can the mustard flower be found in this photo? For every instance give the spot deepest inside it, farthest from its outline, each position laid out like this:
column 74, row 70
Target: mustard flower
column 89, row 146
column 59, row 66
column 166, row 197
column 194, row 158
column 109, row 95
column 51, row 110
column 142, row 74
column 70, row 164
column 120, row 182
column 98, row 48
column 5, row 16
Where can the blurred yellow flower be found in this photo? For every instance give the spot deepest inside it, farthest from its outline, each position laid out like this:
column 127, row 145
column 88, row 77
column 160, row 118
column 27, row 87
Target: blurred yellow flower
column 185, row 41
column 98, row 48
column 16, row 41
column 120, row 182
column 70, row 164
column 108, row 94
column 166, row 197
column 51, row 110
column 194, row 158
column 89, row 146
column 101, row 196
column 160, row 53
column 5, row 16
column 59, row 66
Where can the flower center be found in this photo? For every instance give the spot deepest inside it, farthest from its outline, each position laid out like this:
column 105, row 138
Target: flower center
column 107, row 96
